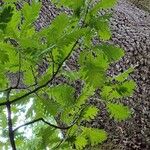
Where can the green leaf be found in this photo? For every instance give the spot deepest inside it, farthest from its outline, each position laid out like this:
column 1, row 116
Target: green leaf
column 75, row 4
column 31, row 12
column 127, row 88
column 3, row 120
column 110, row 93
column 51, row 107
column 28, row 73
column 57, row 29
column 9, row 57
column 117, row 91
column 10, row 1
column 63, row 94
column 6, row 14
column 67, row 115
column 13, row 25
column 46, row 76
column 80, row 142
column 101, row 25
column 72, row 131
column 3, row 81
column 51, row 140
column 60, row 23
column 72, row 37
column 59, row 54
column 4, row 58
column 72, row 75
column 123, row 76
column 93, row 67
column 95, row 136
column 104, row 31
column 90, row 113
column 118, row 111
column 27, row 40
column 87, row 91
column 112, row 52
column 103, row 4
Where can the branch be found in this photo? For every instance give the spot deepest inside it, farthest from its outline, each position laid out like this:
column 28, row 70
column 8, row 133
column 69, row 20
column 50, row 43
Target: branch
column 45, row 84
column 35, row 78
column 77, row 119
column 17, row 88
column 41, row 119
column 54, row 74
column 5, row 90
column 53, row 62
column 19, row 72
column 59, row 144
column 52, row 125
column 10, row 128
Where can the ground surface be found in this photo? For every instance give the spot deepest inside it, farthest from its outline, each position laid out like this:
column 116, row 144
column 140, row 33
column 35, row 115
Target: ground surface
column 131, row 30
column 144, row 4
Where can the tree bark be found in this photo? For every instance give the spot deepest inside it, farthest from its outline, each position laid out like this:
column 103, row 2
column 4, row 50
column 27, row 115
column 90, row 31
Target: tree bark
column 10, row 125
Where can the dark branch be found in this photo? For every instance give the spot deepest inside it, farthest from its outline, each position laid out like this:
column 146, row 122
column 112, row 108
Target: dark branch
column 59, row 144
column 45, row 84
column 17, row 88
column 41, row 119
column 10, row 126
column 54, row 74
column 52, row 125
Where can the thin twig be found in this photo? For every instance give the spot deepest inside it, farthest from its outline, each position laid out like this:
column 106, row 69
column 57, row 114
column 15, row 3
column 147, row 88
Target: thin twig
column 46, row 122
column 17, row 88
column 77, row 119
column 52, row 125
column 35, row 78
column 53, row 63
column 59, row 144
column 19, row 72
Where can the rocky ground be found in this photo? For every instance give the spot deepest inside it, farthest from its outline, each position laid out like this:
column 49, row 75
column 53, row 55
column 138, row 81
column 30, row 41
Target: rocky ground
column 144, row 4
column 131, row 31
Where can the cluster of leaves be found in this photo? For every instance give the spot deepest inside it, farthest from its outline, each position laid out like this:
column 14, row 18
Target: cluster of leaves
column 22, row 48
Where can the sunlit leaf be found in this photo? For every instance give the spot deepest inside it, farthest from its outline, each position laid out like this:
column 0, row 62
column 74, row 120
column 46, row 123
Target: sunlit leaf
column 118, row 111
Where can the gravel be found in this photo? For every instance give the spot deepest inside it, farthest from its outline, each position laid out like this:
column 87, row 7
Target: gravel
column 131, row 31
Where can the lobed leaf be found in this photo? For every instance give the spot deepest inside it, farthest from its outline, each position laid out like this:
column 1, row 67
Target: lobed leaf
column 93, row 66
column 103, row 4
column 101, row 25
column 117, row 91
column 90, row 113
column 96, row 136
column 80, row 142
column 112, row 52
column 123, row 76
column 6, row 14
column 118, row 111
column 87, row 91
column 31, row 12
column 62, row 94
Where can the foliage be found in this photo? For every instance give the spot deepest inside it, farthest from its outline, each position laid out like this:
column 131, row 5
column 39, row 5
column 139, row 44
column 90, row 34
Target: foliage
column 52, row 112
